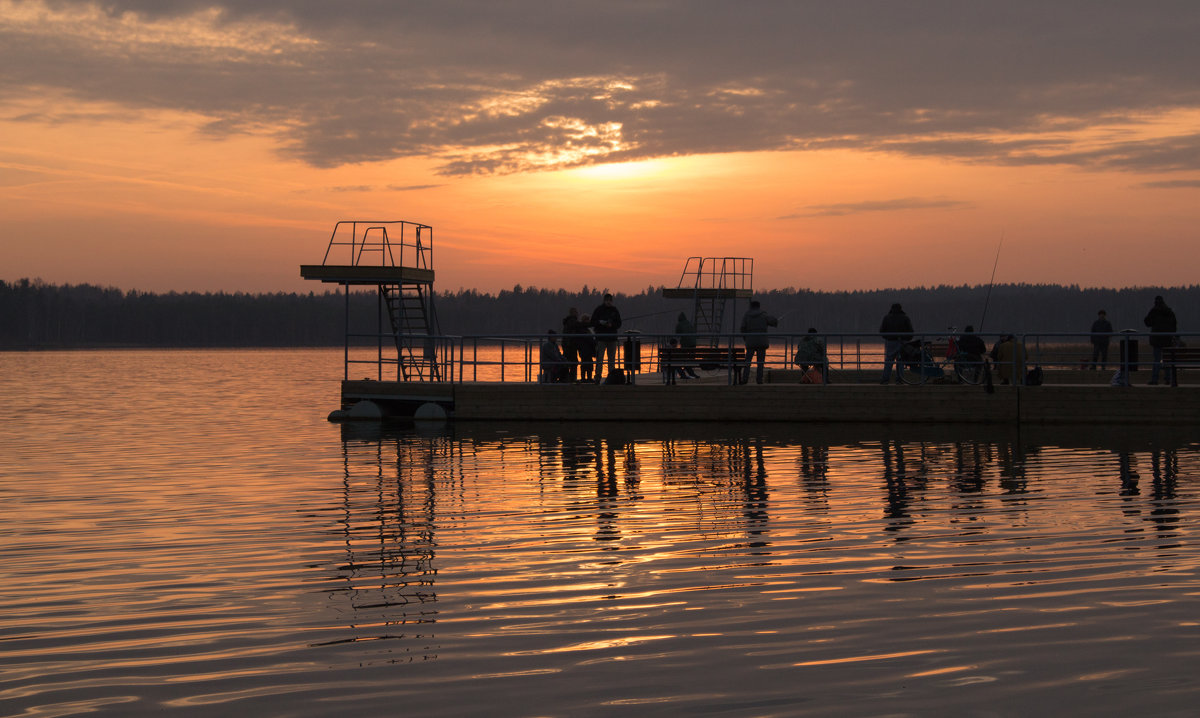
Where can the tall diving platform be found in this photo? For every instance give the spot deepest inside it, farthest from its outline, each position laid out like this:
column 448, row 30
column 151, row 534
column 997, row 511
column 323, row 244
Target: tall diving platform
column 396, row 257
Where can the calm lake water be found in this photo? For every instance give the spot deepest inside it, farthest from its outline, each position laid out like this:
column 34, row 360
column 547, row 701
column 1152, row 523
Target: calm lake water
column 183, row 533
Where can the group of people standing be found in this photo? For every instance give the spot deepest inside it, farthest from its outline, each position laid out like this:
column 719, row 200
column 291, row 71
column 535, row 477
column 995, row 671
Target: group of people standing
column 896, row 330
column 1161, row 322
column 587, row 341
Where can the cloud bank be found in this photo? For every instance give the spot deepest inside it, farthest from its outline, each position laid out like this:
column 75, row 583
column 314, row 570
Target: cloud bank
column 486, row 87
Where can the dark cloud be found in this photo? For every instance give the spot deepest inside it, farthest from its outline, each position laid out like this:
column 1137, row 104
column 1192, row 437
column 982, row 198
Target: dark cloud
column 487, row 87
column 1173, row 184
column 17, row 177
column 411, row 187
column 388, row 188
column 888, row 205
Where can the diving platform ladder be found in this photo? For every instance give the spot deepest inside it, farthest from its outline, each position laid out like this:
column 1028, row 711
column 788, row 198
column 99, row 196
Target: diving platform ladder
column 413, row 323
column 711, row 283
column 396, row 256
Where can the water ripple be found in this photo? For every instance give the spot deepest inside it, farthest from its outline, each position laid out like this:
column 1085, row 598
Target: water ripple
column 244, row 556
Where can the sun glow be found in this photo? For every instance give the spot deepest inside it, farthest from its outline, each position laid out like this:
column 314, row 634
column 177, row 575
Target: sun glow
column 620, row 170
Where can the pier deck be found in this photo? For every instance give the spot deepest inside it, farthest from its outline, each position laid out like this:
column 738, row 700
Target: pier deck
column 650, row 400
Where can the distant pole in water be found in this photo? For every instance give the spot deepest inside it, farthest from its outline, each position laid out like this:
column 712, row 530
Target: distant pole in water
column 991, row 281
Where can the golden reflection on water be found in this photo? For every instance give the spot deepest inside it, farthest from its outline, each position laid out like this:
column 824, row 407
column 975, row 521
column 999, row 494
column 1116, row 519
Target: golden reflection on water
column 262, row 561
column 783, row 517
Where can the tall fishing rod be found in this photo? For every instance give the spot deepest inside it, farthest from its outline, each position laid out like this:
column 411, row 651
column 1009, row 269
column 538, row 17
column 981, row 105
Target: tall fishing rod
column 651, row 314
column 991, row 282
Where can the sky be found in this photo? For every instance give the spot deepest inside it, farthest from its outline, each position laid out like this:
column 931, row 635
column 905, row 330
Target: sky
column 191, row 145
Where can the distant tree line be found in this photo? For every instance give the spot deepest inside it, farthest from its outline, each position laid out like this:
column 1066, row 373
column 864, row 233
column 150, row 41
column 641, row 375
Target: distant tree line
column 34, row 314
column 1016, row 308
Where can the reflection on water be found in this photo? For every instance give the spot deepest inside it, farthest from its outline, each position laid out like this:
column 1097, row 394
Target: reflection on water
column 246, row 557
column 387, row 526
column 762, row 550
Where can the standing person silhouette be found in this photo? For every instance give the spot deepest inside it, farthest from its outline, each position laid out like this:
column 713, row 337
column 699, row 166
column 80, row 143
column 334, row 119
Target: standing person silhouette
column 606, row 320
column 586, row 344
column 572, row 328
column 754, row 333
column 1101, row 329
column 1161, row 321
column 896, row 328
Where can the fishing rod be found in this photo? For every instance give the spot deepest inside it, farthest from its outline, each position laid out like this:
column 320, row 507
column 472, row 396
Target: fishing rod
column 991, row 282
column 988, row 386
column 651, row 314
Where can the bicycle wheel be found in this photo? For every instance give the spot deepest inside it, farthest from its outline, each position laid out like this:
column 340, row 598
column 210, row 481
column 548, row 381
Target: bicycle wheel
column 969, row 370
column 913, row 374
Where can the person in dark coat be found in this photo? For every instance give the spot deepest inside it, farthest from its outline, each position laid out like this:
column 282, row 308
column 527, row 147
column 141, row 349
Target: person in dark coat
column 1161, row 321
column 970, row 344
column 754, row 334
column 572, row 328
column 586, row 346
column 896, row 329
column 554, row 368
column 810, row 354
column 1101, row 333
column 606, row 320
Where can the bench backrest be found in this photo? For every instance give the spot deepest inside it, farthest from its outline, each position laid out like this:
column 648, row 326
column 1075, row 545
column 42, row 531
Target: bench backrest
column 705, row 354
column 1181, row 354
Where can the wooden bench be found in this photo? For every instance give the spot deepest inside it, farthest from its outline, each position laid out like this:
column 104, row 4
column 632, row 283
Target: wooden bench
column 708, row 358
column 1175, row 358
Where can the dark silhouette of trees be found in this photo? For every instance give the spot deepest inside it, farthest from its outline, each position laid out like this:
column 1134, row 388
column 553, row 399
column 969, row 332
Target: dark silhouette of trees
column 34, row 314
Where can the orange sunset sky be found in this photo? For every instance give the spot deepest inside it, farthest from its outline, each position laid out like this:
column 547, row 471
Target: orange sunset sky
column 189, row 145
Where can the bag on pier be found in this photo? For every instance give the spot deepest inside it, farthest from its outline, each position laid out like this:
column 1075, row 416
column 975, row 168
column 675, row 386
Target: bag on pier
column 812, row 376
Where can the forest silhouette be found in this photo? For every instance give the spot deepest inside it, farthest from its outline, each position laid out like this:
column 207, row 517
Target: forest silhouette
column 38, row 315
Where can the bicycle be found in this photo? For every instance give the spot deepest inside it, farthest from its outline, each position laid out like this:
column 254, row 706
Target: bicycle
column 925, row 360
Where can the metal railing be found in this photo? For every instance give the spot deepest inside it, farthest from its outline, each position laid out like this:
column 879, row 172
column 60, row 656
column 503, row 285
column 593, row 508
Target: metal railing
column 394, row 243
column 851, row 357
